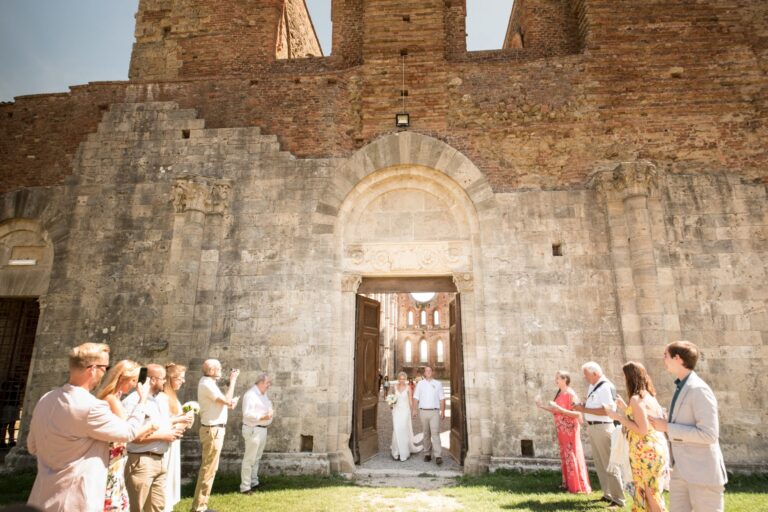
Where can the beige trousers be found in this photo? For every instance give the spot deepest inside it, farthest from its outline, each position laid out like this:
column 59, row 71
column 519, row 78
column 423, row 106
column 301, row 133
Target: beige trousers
column 255, row 439
column 600, row 440
column 430, row 426
column 145, row 482
column 686, row 497
column 211, row 441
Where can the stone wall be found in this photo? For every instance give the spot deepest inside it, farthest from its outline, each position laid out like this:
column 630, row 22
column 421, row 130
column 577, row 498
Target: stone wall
column 678, row 83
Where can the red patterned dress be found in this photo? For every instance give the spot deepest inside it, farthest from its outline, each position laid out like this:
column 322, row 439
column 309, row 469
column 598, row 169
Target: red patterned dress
column 116, row 499
column 575, row 476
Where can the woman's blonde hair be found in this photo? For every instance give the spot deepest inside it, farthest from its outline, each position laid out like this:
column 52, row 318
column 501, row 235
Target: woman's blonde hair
column 125, row 369
column 173, row 371
column 403, row 374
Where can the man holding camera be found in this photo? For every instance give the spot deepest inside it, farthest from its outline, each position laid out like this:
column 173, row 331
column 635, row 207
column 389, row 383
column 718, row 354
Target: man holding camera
column 213, row 420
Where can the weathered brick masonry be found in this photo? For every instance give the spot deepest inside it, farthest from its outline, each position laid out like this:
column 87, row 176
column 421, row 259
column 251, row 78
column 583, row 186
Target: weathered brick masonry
column 225, row 202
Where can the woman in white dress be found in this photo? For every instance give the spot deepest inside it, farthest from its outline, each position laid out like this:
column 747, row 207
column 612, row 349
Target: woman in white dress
column 175, row 376
column 403, row 442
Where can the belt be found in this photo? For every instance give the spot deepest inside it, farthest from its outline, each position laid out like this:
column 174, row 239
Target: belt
column 153, row 454
column 435, row 409
column 255, row 426
column 215, row 425
column 599, row 422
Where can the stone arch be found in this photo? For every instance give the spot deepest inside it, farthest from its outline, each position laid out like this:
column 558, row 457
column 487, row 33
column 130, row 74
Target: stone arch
column 411, row 165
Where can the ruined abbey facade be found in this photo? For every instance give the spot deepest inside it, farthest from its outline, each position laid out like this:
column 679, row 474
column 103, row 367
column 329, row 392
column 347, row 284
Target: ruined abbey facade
column 592, row 190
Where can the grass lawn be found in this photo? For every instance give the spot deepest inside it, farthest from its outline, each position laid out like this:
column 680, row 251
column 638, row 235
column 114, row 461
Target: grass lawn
column 505, row 490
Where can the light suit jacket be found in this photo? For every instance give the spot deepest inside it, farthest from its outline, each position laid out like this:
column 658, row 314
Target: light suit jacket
column 70, row 434
column 694, row 432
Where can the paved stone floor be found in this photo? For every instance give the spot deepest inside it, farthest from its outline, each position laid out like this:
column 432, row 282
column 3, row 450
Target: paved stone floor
column 382, row 470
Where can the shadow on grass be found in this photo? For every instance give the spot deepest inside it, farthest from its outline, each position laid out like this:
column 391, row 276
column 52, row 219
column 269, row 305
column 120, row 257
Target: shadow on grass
column 564, row 504
column 15, row 487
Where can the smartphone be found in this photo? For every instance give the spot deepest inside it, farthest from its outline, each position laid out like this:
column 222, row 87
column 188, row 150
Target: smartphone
column 142, row 374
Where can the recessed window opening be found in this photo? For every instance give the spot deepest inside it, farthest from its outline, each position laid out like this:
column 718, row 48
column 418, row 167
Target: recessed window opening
column 407, row 349
column 410, row 318
column 184, row 134
column 557, row 249
column 423, row 317
column 436, row 317
column 440, row 352
column 320, row 14
column 423, row 351
column 487, row 23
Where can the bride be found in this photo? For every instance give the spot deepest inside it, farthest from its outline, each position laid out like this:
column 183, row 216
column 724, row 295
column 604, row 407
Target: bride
column 403, row 442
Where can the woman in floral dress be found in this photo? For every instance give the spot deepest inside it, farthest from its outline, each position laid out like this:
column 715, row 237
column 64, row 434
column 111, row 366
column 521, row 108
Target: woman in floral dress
column 567, row 424
column 647, row 448
column 118, row 382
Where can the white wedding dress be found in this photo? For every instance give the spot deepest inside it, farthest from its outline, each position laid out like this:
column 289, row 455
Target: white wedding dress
column 403, row 440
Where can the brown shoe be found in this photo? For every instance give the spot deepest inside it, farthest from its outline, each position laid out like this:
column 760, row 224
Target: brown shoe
column 438, row 460
column 427, row 458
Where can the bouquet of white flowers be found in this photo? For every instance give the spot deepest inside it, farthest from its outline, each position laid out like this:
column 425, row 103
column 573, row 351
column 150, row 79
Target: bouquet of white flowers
column 191, row 406
column 391, row 399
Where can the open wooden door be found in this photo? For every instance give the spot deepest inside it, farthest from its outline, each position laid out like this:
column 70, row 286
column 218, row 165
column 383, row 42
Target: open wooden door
column 458, row 448
column 365, row 439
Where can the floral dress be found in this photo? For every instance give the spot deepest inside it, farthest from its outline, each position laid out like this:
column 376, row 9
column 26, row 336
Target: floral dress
column 647, row 458
column 117, row 495
column 574, row 467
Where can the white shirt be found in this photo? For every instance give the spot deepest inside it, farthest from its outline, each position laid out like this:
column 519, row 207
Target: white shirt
column 429, row 393
column 154, row 413
column 256, row 405
column 602, row 396
column 212, row 412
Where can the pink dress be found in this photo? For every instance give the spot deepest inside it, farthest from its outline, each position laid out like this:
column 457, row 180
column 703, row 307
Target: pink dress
column 575, row 476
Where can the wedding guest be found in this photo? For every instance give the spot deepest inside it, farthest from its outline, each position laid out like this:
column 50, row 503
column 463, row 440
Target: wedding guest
column 601, row 392
column 647, row 449
column 169, row 402
column 146, row 469
column 428, row 399
column 119, row 381
column 567, row 424
column 403, row 444
column 257, row 417
column 693, row 429
column 213, row 420
column 70, row 434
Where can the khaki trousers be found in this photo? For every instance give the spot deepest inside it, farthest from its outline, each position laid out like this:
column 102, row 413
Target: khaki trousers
column 211, row 440
column 255, row 439
column 430, row 426
column 600, row 439
column 145, row 482
column 686, row 497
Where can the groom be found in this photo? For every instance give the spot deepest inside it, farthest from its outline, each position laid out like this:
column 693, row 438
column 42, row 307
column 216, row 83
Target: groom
column 428, row 399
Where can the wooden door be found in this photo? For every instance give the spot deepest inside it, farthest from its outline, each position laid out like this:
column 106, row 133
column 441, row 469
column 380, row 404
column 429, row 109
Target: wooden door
column 458, row 448
column 365, row 439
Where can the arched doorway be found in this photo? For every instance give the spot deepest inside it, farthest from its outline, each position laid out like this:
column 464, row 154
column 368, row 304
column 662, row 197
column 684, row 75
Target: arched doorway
column 413, row 212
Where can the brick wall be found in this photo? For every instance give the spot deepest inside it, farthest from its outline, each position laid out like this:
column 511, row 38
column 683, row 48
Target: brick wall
column 677, row 82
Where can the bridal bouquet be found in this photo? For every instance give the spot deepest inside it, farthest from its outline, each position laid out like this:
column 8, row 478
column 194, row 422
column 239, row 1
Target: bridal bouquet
column 391, row 400
column 191, row 406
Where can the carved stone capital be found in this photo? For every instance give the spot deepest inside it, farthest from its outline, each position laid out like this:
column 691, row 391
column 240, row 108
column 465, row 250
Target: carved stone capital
column 200, row 194
column 464, row 282
column 351, row 282
column 627, row 179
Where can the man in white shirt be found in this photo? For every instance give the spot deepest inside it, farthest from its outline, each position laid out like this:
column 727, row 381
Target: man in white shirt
column 213, row 419
column 257, row 416
column 146, row 467
column 428, row 400
column 599, row 428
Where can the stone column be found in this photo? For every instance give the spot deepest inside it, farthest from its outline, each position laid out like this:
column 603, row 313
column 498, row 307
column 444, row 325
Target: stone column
column 199, row 205
column 342, row 379
column 477, row 391
column 644, row 286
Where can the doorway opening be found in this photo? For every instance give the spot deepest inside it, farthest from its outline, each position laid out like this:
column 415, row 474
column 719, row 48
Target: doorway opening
column 18, row 325
column 402, row 326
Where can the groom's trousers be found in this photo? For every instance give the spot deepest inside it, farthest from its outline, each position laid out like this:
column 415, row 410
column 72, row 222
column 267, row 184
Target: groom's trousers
column 430, row 426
